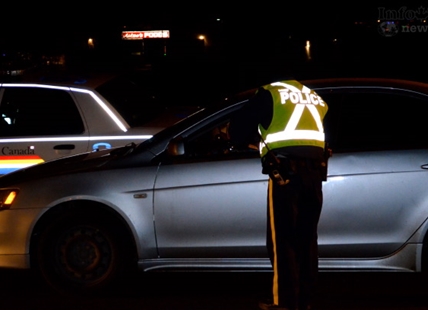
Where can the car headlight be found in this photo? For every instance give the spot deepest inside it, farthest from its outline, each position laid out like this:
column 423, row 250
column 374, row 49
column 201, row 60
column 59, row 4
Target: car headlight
column 7, row 197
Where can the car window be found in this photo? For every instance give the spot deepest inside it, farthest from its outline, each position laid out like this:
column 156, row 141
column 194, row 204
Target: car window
column 369, row 121
column 28, row 111
column 213, row 143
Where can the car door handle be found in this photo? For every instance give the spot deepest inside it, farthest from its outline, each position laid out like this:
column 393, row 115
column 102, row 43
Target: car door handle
column 424, row 166
column 64, row 147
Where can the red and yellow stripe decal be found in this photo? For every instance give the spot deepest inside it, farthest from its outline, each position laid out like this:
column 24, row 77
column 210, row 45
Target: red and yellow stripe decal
column 12, row 163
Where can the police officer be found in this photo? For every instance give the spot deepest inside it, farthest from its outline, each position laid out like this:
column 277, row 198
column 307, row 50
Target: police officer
column 289, row 118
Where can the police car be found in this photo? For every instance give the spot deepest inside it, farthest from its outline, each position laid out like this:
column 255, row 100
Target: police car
column 44, row 121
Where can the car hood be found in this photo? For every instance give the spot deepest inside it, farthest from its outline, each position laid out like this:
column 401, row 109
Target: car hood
column 106, row 159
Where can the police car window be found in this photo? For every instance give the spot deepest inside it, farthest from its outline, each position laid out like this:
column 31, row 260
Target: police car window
column 380, row 121
column 27, row 111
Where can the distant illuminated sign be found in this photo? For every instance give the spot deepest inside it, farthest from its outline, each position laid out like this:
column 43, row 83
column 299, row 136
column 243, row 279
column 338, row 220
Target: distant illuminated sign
column 148, row 34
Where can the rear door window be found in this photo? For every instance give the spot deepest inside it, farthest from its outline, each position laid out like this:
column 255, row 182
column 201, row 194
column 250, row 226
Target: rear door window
column 376, row 120
column 32, row 111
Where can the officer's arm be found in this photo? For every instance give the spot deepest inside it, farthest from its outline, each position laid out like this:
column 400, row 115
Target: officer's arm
column 243, row 128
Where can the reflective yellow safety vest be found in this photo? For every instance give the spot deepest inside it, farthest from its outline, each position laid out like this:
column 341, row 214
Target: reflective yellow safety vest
column 297, row 120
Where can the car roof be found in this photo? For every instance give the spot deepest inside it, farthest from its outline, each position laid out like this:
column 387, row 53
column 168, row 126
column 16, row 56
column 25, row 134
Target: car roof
column 320, row 83
column 367, row 82
column 66, row 78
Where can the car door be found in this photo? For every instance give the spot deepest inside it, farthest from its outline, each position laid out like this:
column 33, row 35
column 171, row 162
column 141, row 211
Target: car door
column 211, row 202
column 38, row 124
column 375, row 197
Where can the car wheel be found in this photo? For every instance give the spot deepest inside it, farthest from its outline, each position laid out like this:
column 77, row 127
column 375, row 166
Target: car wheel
column 79, row 254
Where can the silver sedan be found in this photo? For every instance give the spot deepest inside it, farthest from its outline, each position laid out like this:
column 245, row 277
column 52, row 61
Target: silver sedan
column 189, row 199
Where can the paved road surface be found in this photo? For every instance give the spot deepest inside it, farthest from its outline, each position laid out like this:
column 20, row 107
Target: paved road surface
column 224, row 291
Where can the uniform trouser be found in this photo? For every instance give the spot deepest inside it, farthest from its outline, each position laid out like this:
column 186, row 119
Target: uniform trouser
column 293, row 213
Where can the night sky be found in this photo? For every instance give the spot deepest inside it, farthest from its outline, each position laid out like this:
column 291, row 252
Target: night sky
column 247, row 40
column 34, row 22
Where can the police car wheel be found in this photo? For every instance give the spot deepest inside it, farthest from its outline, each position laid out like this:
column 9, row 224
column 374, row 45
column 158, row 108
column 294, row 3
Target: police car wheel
column 79, row 256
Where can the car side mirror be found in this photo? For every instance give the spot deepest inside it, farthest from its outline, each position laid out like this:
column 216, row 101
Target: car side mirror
column 176, row 147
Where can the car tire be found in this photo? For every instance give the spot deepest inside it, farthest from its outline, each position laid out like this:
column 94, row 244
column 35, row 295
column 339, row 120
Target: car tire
column 80, row 254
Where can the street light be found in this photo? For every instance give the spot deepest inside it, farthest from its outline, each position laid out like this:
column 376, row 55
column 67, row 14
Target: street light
column 203, row 38
column 91, row 43
column 308, row 50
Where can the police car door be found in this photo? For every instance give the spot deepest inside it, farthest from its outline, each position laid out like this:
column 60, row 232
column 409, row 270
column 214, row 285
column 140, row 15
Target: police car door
column 37, row 124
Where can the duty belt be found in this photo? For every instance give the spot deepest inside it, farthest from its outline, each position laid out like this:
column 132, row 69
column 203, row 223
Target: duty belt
column 300, row 164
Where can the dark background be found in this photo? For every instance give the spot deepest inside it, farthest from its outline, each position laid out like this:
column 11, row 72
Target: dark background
column 250, row 44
